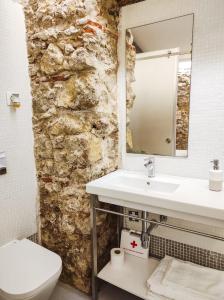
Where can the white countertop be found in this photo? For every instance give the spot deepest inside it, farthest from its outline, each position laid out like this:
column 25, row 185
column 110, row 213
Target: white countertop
column 192, row 196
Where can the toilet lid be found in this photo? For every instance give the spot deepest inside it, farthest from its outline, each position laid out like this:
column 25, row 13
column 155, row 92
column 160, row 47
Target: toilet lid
column 25, row 267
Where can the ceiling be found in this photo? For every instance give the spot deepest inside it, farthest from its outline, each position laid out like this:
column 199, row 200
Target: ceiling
column 167, row 34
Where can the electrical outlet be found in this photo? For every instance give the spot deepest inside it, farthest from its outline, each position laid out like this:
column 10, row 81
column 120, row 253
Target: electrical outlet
column 130, row 222
column 133, row 213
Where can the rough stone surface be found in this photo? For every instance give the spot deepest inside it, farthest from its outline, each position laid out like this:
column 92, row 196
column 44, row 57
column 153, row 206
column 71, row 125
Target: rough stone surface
column 72, row 46
column 183, row 111
column 130, row 78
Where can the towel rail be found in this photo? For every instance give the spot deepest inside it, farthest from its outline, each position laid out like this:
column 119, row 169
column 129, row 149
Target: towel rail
column 215, row 237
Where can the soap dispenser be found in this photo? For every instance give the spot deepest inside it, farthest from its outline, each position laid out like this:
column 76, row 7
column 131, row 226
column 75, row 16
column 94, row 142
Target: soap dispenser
column 215, row 177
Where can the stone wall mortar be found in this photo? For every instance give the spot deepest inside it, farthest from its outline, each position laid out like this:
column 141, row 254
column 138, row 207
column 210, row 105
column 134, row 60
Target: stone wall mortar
column 72, row 48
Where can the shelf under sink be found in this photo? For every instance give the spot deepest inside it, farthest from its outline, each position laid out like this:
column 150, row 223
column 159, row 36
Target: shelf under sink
column 132, row 276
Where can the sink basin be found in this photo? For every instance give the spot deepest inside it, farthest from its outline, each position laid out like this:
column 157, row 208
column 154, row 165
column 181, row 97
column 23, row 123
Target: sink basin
column 144, row 183
column 172, row 196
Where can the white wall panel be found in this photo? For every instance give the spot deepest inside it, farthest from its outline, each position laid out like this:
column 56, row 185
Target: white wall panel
column 18, row 187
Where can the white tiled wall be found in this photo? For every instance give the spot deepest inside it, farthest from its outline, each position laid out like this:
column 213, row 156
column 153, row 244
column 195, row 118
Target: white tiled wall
column 18, row 187
column 206, row 140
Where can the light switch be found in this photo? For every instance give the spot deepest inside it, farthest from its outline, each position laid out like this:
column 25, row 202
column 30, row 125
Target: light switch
column 3, row 169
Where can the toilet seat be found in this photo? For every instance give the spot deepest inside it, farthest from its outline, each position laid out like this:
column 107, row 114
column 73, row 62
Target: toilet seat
column 25, row 267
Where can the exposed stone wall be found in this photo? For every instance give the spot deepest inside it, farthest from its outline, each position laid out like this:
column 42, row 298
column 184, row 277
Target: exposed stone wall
column 183, row 111
column 130, row 78
column 72, row 47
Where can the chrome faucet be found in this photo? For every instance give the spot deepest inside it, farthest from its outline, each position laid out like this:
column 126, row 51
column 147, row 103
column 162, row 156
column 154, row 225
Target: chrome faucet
column 150, row 165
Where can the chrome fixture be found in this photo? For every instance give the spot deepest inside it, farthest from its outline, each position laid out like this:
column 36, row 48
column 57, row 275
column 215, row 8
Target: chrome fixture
column 150, row 165
column 146, row 230
column 145, row 235
column 3, row 169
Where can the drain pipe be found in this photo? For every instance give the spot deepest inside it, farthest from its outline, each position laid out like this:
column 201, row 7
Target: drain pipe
column 144, row 235
column 146, row 231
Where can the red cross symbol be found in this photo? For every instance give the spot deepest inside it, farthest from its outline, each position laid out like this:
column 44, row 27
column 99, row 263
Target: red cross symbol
column 134, row 244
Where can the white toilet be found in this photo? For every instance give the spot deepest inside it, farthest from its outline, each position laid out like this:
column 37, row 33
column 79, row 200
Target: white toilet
column 28, row 271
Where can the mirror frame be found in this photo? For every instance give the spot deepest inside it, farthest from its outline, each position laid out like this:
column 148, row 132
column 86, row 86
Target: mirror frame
column 121, row 84
column 192, row 35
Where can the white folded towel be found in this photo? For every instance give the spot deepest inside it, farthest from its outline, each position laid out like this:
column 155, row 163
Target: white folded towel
column 177, row 279
column 154, row 292
column 152, row 296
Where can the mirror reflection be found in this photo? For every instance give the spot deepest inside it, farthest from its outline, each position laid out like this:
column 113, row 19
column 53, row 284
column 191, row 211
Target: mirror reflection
column 158, row 76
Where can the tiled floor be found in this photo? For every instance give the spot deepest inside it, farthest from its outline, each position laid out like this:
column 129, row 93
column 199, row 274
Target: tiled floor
column 108, row 292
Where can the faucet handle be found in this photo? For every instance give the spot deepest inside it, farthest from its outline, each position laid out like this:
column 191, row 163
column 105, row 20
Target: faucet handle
column 150, row 158
column 149, row 161
column 150, row 165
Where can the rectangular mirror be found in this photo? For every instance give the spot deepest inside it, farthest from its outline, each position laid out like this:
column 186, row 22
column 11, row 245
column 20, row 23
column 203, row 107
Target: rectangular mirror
column 158, row 76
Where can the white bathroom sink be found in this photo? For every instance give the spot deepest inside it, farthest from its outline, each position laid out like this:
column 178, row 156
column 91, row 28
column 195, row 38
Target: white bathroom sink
column 143, row 183
column 178, row 197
